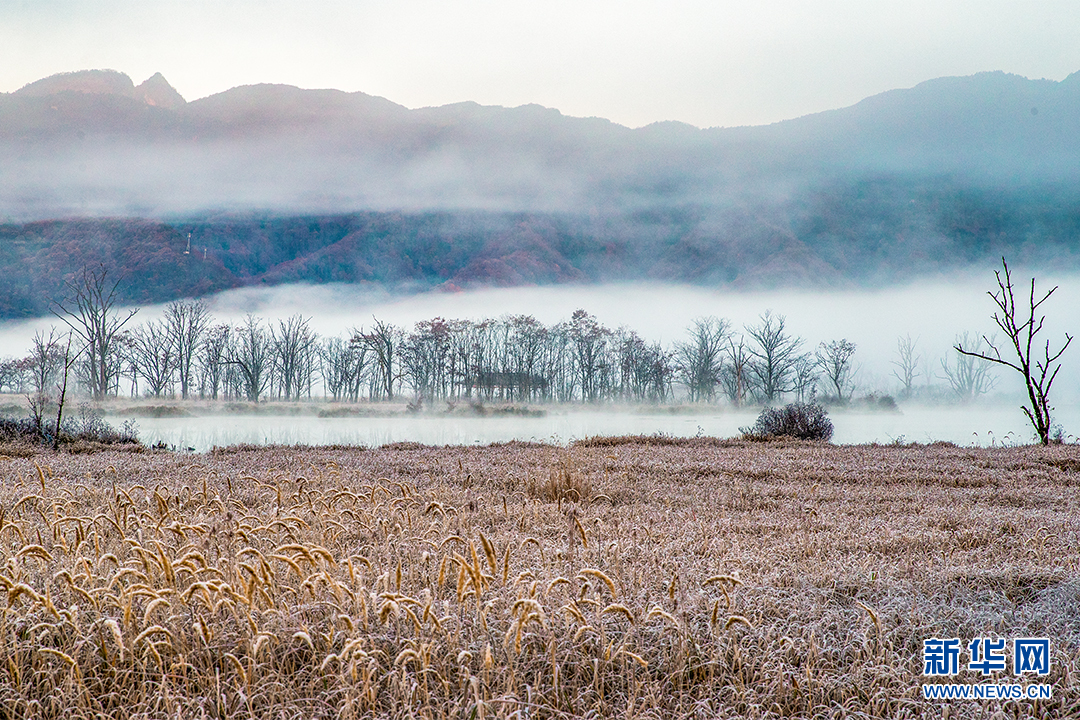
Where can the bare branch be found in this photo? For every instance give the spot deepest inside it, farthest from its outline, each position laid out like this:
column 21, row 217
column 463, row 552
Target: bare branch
column 1022, row 337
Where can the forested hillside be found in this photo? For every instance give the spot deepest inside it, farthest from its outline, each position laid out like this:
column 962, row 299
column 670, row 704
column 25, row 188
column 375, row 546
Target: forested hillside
column 887, row 230
column 277, row 184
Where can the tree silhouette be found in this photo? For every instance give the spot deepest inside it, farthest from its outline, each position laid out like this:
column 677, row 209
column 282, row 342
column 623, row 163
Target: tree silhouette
column 1039, row 374
column 89, row 310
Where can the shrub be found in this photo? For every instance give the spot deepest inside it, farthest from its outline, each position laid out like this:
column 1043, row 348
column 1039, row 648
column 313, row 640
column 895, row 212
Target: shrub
column 877, row 403
column 17, row 429
column 806, row 421
column 886, row 403
column 87, row 427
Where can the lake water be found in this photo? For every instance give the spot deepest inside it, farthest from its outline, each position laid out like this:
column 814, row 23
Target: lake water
column 984, row 425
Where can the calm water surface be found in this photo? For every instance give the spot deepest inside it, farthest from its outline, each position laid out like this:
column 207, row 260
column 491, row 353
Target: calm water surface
column 963, row 426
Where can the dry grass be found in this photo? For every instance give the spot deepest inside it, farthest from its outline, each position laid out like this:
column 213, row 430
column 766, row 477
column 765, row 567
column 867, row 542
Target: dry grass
column 691, row 580
column 563, row 481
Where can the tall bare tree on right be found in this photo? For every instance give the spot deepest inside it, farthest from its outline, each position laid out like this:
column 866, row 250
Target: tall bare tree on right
column 1039, row 373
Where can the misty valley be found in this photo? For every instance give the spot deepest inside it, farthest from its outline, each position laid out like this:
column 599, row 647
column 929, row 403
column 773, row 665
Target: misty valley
column 316, row 405
column 319, row 246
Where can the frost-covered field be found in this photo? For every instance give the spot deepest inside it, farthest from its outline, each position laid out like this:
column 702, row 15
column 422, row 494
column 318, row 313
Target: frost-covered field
column 671, row 578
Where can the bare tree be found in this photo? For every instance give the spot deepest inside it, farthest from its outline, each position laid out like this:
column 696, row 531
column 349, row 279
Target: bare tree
column 1039, row 373
column 39, row 403
column 700, row 360
column 481, row 358
column 68, row 361
column 558, row 364
column 13, row 374
column 645, row 369
column 424, row 355
column 342, row 367
column 45, row 359
column 293, row 347
column 907, row 364
column 89, row 310
column 213, row 354
column 774, row 357
column 360, row 368
column 461, row 374
column 834, row 359
column 187, row 322
column 155, row 356
column 130, row 360
column 86, row 367
column 736, row 371
column 590, row 346
column 44, row 362
column 250, row 356
column 804, row 377
column 382, row 341
column 527, row 339
column 970, row 374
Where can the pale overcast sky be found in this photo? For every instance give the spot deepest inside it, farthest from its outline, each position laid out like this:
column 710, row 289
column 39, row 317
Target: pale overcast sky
column 708, row 63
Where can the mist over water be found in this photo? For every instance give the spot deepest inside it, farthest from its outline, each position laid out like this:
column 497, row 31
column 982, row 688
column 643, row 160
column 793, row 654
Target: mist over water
column 986, row 424
column 933, row 312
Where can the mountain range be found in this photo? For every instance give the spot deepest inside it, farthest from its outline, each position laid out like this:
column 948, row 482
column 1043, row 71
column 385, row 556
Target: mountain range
column 94, row 168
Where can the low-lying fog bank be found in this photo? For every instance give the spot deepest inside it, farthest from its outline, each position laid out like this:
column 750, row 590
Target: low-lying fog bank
column 200, row 425
column 985, row 425
column 932, row 312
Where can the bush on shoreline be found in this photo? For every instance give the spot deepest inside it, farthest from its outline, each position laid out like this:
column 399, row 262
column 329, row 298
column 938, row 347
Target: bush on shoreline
column 805, row 421
column 87, row 429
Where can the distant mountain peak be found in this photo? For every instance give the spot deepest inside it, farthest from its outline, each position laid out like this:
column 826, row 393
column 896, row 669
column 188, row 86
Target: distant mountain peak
column 91, row 82
column 157, row 91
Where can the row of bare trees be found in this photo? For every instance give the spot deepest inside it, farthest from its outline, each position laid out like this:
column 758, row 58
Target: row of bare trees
column 966, row 377
column 514, row 358
column 518, row 358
